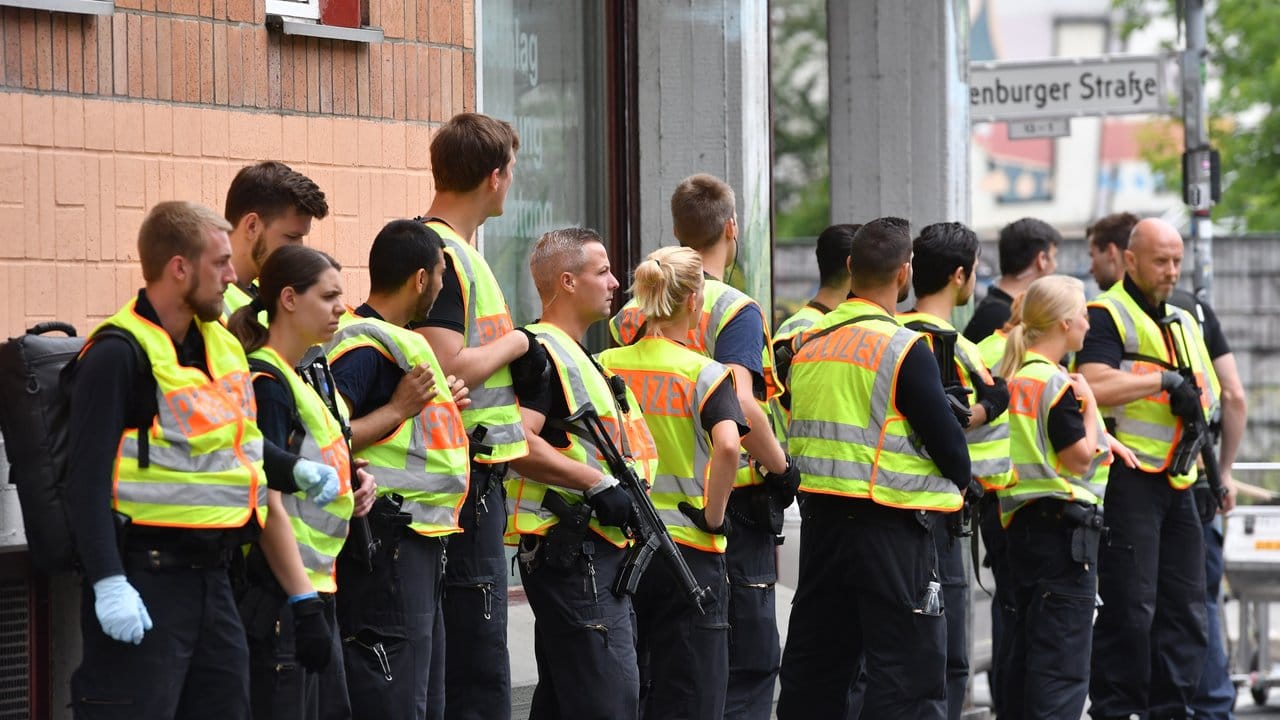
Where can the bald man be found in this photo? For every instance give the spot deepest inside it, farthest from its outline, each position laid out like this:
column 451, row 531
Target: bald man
column 1149, row 640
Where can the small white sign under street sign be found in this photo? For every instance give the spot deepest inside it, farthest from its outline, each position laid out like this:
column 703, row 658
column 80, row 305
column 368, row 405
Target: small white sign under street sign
column 1065, row 88
column 1046, row 128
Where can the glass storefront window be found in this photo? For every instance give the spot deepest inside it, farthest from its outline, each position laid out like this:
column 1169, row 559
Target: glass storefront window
column 543, row 70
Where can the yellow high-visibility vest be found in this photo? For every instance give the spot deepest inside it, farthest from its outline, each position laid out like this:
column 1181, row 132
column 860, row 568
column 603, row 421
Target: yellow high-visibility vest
column 320, row 531
column 1037, row 386
column 486, row 318
column 989, row 442
column 582, row 383
column 1146, row 425
column 673, row 384
column 846, row 435
column 204, row 449
column 427, row 458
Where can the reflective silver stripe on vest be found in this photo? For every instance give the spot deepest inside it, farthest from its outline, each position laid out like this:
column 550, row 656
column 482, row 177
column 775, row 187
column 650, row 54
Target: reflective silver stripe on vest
column 718, row 310
column 483, row 397
column 578, row 390
column 178, row 459
column 1125, row 424
column 192, row 494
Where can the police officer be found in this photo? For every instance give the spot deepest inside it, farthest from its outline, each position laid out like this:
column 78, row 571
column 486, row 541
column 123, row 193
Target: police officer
column 732, row 332
column 269, row 205
column 832, row 250
column 1028, row 250
column 288, row 605
column 1108, row 239
column 162, row 638
column 1149, row 638
column 1060, row 450
column 584, row 639
column 407, row 424
column 472, row 161
column 882, row 459
column 684, row 653
column 943, row 272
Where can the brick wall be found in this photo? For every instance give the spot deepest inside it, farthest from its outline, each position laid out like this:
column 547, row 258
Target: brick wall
column 102, row 117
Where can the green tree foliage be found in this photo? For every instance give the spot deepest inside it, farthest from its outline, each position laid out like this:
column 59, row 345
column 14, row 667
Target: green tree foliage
column 800, row 117
column 1244, row 51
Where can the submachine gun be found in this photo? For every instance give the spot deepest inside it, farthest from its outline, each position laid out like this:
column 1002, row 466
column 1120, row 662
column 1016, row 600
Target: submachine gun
column 1197, row 439
column 650, row 532
column 360, row 538
column 944, row 349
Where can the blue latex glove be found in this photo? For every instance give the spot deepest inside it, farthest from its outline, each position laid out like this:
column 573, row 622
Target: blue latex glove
column 120, row 610
column 317, row 480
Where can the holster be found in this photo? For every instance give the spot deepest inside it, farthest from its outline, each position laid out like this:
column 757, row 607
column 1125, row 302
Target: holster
column 758, row 507
column 1088, row 531
column 562, row 545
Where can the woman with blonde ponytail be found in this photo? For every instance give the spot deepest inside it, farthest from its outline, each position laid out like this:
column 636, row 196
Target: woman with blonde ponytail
column 1053, row 512
column 690, row 404
column 991, row 348
column 288, row 607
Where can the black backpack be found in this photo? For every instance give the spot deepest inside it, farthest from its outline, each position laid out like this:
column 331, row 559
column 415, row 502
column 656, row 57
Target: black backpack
column 34, row 411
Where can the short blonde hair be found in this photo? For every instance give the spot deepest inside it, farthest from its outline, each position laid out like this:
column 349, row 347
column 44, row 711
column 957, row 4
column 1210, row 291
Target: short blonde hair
column 665, row 280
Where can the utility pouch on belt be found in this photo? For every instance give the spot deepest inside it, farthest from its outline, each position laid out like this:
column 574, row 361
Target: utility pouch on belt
column 758, row 507
column 562, row 546
column 1088, row 529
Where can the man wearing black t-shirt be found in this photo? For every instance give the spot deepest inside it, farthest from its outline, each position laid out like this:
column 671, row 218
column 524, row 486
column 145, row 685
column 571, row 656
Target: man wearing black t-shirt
column 1028, row 251
column 1108, row 239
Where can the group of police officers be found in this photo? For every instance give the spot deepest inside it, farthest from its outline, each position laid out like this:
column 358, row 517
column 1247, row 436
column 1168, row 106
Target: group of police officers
column 286, row 507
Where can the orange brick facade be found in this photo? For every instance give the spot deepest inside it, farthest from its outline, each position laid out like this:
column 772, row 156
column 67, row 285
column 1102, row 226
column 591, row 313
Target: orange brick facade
column 102, row 117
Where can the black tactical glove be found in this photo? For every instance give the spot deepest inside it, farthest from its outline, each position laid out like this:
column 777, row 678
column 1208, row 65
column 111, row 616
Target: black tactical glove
column 994, row 397
column 612, row 504
column 1184, row 398
column 788, row 481
column 312, row 636
column 530, row 372
column 699, row 518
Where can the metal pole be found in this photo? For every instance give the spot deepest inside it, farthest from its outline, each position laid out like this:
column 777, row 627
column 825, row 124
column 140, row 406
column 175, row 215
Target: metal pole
column 1197, row 162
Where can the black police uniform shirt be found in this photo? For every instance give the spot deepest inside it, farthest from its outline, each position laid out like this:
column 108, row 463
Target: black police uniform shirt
column 364, row 376
column 121, row 393
column 721, row 405
column 990, row 315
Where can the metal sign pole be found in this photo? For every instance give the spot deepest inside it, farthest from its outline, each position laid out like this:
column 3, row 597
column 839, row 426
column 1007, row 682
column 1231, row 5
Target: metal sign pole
column 1199, row 161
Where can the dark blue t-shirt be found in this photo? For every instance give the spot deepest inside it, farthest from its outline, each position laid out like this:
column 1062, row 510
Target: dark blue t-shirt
column 741, row 342
column 364, row 376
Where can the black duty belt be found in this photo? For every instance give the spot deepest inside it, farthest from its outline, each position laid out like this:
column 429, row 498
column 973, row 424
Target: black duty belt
column 156, row 559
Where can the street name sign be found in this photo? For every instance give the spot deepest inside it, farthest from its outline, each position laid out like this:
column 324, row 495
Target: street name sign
column 1067, row 87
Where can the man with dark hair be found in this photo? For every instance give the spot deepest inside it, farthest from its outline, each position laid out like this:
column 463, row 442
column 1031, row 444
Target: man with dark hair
column 1150, row 637
column 1108, row 239
column 733, row 333
column 268, row 205
column 944, row 258
column 1028, row 251
column 469, row 327
column 169, row 442
column 584, row 635
column 882, row 459
column 832, row 249
column 406, row 423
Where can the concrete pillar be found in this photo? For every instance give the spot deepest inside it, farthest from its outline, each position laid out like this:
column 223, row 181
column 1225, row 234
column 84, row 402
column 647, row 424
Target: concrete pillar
column 704, row 107
column 899, row 110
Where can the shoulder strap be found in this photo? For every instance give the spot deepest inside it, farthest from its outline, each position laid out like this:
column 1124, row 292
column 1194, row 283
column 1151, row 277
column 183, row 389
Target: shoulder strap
column 828, row 330
column 296, row 429
column 142, row 419
column 818, row 306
